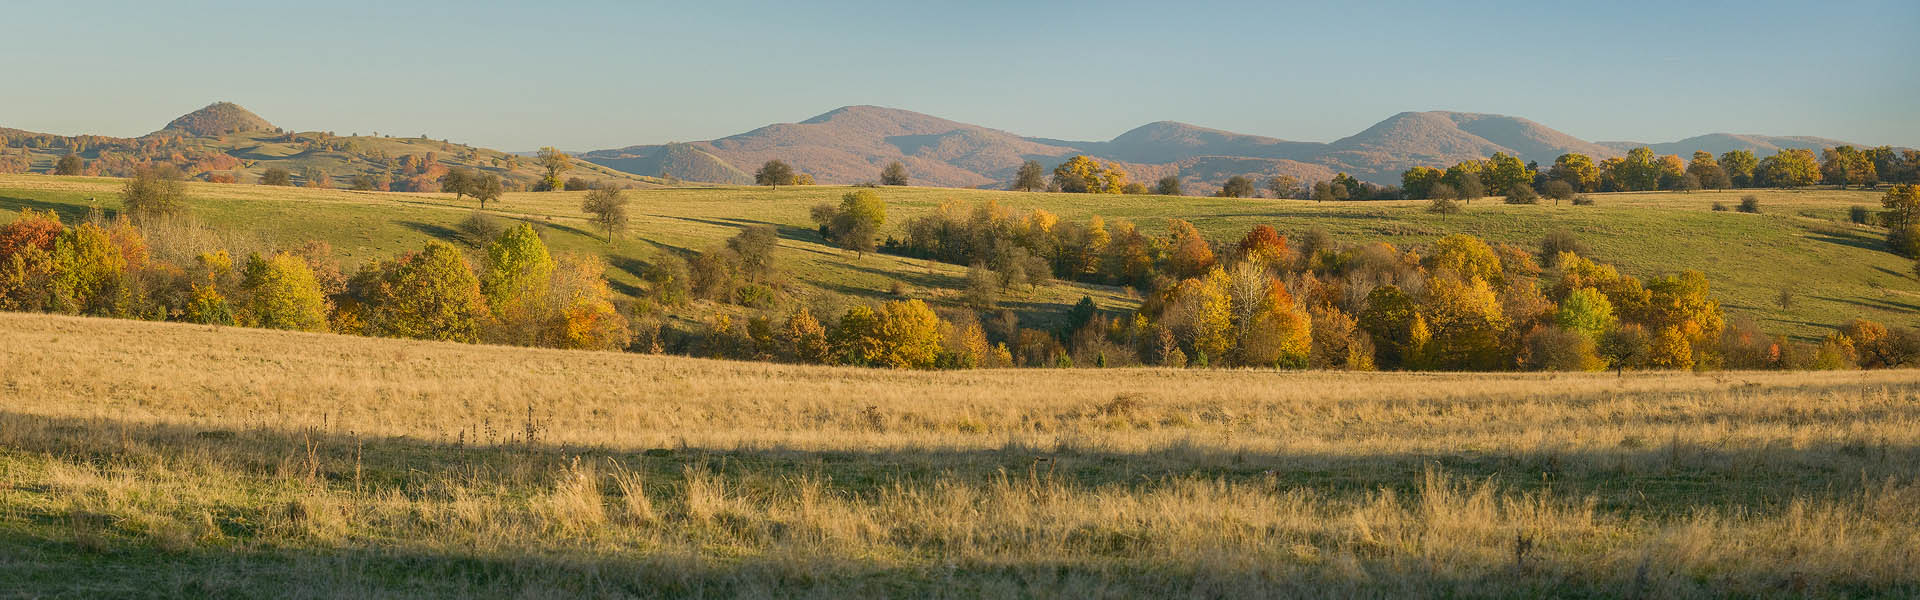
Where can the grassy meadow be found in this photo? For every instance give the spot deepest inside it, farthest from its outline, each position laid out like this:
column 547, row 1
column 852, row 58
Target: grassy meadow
column 164, row 459
column 1802, row 242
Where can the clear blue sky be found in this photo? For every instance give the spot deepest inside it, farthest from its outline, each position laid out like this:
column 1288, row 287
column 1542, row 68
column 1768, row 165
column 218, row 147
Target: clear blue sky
column 598, row 74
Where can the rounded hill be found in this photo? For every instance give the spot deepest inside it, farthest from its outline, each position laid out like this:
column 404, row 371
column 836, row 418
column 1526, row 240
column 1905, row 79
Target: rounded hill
column 219, row 118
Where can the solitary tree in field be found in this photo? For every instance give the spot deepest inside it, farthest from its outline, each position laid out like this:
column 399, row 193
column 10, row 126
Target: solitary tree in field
column 555, row 162
column 1168, row 186
column 1031, row 178
column 458, row 181
column 154, row 192
column 894, row 174
column 608, row 205
column 1237, row 187
column 855, row 224
column 485, row 187
column 71, row 164
column 276, row 176
column 1283, row 186
column 774, row 174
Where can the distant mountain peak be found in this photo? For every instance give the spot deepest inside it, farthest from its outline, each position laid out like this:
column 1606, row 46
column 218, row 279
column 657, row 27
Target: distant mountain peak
column 219, row 118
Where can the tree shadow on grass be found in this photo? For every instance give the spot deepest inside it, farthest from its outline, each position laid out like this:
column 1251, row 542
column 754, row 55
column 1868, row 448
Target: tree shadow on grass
column 69, row 213
column 1875, row 303
column 437, row 231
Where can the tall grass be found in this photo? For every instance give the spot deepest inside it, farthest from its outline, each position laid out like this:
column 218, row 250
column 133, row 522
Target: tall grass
column 194, row 461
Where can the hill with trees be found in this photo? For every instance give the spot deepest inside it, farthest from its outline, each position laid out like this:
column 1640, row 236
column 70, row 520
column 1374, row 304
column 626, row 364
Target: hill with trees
column 226, row 143
column 853, row 144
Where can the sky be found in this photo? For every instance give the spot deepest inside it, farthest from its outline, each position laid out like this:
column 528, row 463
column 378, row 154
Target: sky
column 596, row 74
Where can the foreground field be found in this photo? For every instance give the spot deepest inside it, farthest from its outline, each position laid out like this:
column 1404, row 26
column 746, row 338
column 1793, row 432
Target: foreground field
column 1802, row 243
column 194, row 461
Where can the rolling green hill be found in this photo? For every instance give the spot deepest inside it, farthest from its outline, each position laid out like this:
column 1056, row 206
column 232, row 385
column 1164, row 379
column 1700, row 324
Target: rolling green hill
column 1802, row 241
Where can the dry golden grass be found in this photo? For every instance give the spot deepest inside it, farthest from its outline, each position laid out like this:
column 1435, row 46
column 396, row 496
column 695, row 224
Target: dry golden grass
column 202, row 461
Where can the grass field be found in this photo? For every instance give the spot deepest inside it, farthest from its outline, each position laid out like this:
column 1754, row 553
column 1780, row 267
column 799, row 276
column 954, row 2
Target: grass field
column 1802, row 242
column 157, row 459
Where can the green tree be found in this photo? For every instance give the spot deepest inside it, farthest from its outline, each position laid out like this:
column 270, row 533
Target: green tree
column 894, row 174
column 515, row 280
column 458, row 181
column 1389, row 319
column 1585, row 311
column 1639, row 170
column 608, row 207
column 1237, row 186
column 1030, row 178
column 281, row 293
column 1168, row 186
column 1504, row 171
column 431, row 294
column 154, row 192
column 1417, row 183
column 1739, row 166
column 71, row 164
column 855, row 224
column 1902, row 219
column 485, row 187
column 773, row 174
column 276, row 176
column 554, row 162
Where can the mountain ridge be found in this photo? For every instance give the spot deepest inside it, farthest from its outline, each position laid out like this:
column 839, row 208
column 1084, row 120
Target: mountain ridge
column 852, row 143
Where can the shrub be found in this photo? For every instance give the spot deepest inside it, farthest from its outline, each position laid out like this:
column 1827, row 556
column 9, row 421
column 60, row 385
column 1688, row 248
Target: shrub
column 1583, row 200
column 1522, row 194
column 276, row 176
column 1556, row 349
column 1559, row 190
column 1859, row 215
column 1750, row 204
column 577, row 184
column 1718, row 207
column 1558, row 241
column 1443, row 206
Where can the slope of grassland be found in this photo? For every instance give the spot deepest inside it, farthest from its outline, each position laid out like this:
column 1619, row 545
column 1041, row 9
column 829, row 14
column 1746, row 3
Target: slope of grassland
column 1802, row 242
column 199, row 461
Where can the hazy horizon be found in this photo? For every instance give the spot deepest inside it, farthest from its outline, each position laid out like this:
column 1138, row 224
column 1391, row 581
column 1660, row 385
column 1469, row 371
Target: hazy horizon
column 603, row 75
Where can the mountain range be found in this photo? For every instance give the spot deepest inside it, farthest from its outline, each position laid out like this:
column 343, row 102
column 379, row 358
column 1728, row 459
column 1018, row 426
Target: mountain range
column 851, row 144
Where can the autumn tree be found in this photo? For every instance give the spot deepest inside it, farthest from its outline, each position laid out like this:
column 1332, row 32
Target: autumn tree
column 894, row 174
column 1585, row 311
column 276, row 176
column 1168, row 186
column 1084, row 175
column 755, row 246
column 773, row 174
column 579, row 307
column 85, row 270
column 1237, row 186
column 1392, row 320
column 70, row 164
column 1708, row 171
column 804, row 340
column 1191, row 254
column 154, row 192
column 608, row 207
column 1283, row 186
column 1505, row 171
column 1788, row 168
column 554, row 162
column 1845, row 165
column 1030, row 178
column 1577, row 170
column 431, row 294
column 281, row 293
